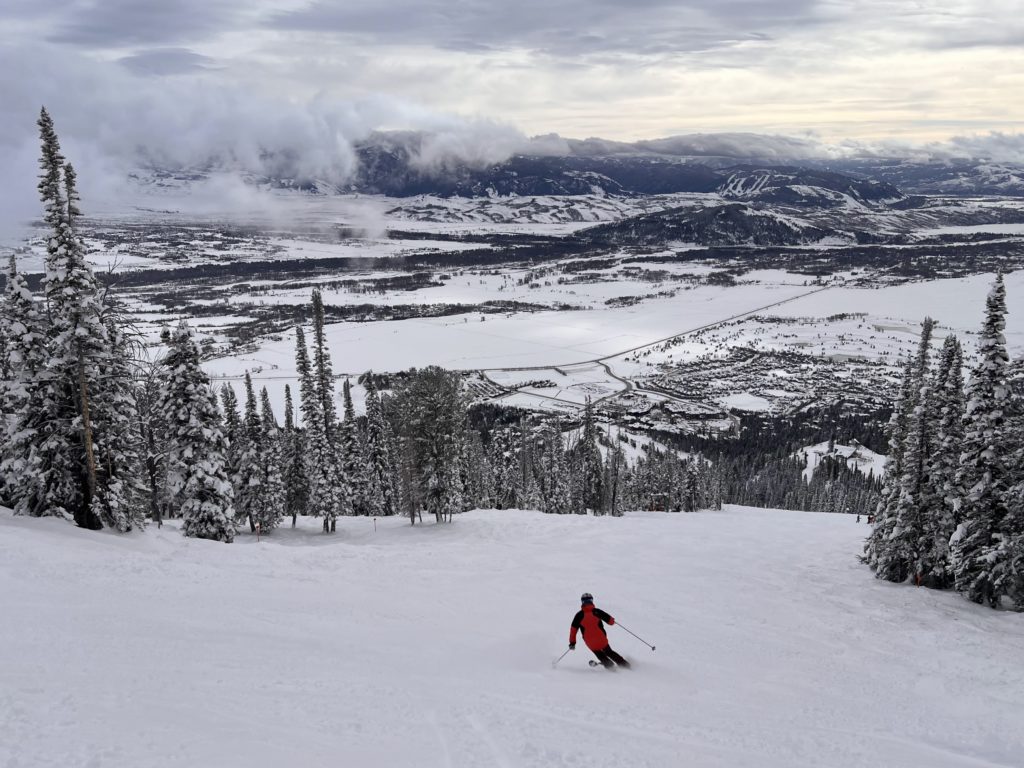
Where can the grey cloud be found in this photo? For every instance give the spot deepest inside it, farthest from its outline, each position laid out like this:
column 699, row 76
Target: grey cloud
column 1000, row 37
column 740, row 145
column 996, row 147
column 111, row 121
column 563, row 28
column 166, row 61
column 120, row 23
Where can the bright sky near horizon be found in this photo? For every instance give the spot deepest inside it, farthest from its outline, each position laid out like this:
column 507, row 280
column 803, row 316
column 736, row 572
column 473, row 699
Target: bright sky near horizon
column 189, row 79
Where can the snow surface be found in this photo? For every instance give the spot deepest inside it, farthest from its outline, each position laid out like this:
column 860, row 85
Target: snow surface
column 474, row 341
column 432, row 646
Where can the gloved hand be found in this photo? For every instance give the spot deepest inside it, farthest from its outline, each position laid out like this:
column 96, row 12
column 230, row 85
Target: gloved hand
column 572, row 646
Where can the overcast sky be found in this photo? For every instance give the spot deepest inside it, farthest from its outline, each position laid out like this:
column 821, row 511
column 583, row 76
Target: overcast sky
column 188, row 78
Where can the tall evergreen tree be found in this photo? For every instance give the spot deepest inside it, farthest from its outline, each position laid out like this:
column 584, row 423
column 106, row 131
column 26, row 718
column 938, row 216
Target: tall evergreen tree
column 611, row 483
column 590, row 464
column 232, row 418
column 557, row 499
column 118, row 441
column 62, row 449
column 248, row 487
column 294, row 462
column 196, row 465
column 477, row 483
column 324, row 498
column 504, row 462
column 152, row 434
column 939, row 494
column 906, row 557
column 353, row 465
column 876, row 549
column 271, row 508
column 980, row 556
column 429, row 408
column 322, row 371
column 80, row 443
column 21, row 395
column 234, row 432
column 381, row 468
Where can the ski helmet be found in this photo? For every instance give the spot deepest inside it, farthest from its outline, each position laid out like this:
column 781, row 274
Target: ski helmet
column 586, row 597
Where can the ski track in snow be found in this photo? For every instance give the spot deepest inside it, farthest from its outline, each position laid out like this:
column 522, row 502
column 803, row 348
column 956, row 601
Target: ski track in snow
column 432, row 646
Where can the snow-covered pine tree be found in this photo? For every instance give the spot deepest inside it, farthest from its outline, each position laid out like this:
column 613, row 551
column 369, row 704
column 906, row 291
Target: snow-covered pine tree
column 271, row 507
column 940, row 504
column 80, row 376
column 528, row 485
column 120, row 493
column 294, row 462
column 1014, row 527
column 248, row 478
column 324, row 498
column 449, row 500
column 232, row 418
column 556, row 498
column 611, row 481
column 504, row 461
column 61, row 451
column 429, row 410
column 478, row 486
column 691, row 488
column 21, row 394
column 234, row 432
column 196, row 466
column 981, row 559
column 877, row 549
column 589, row 462
column 906, row 546
column 322, row 368
column 5, row 370
column 152, row 433
column 381, row 470
column 353, row 462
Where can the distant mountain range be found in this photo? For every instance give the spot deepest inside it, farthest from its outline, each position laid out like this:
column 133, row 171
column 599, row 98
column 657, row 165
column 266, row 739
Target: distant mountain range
column 780, row 174
column 743, row 167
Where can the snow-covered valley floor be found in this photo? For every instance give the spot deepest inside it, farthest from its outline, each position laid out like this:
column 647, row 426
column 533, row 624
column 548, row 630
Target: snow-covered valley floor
column 433, row 646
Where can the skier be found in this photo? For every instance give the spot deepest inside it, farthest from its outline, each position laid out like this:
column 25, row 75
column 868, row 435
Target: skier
column 590, row 621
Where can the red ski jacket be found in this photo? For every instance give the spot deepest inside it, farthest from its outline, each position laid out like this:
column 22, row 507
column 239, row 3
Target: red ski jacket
column 591, row 621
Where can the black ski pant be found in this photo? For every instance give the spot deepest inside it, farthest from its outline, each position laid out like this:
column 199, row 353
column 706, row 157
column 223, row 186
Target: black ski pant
column 610, row 658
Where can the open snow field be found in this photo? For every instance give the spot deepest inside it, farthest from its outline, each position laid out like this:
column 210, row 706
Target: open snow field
column 432, row 646
column 773, row 313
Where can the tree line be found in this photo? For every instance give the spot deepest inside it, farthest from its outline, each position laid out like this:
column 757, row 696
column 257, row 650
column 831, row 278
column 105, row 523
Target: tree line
column 951, row 513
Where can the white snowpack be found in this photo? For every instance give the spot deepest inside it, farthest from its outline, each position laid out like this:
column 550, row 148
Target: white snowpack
column 432, row 646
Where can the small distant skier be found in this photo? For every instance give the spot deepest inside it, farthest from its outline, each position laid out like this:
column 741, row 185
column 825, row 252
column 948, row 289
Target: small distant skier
column 591, row 621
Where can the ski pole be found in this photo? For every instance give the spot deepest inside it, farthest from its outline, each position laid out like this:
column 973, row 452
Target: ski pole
column 634, row 634
column 555, row 662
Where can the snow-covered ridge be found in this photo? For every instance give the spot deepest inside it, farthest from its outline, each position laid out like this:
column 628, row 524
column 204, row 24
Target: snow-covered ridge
column 855, row 456
column 807, row 188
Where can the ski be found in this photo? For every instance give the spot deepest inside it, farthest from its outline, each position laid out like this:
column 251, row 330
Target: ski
column 613, row 668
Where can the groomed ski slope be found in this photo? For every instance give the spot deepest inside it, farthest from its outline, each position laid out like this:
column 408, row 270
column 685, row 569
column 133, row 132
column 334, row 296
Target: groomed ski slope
column 432, row 646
